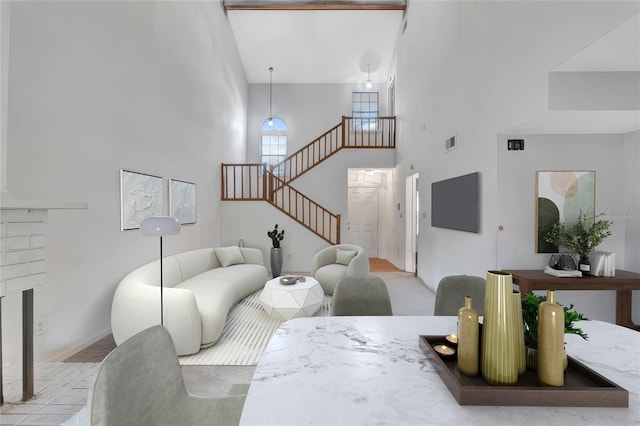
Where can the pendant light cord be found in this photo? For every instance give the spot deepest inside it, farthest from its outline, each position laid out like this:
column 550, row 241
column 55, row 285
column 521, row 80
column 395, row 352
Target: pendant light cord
column 270, row 91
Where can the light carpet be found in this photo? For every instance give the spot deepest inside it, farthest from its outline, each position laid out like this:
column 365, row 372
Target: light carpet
column 245, row 334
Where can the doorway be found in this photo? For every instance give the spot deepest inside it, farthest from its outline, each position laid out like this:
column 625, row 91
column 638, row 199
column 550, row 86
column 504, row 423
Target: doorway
column 364, row 217
column 412, row 231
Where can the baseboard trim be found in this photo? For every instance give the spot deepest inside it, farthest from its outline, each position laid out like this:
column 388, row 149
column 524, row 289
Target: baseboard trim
column 62, row 355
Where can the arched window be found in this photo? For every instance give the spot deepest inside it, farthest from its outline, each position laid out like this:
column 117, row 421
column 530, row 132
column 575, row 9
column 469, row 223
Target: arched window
column 273, row 146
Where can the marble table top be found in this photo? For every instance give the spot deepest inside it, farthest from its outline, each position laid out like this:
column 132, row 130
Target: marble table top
column 371, row 370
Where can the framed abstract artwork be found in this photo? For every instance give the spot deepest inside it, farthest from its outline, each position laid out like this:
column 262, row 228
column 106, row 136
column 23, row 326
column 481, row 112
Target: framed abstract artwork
column 140, row 197
column 182, row 201
column 562, row 196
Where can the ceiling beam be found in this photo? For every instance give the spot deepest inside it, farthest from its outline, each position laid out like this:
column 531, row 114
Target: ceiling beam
column 315, row 4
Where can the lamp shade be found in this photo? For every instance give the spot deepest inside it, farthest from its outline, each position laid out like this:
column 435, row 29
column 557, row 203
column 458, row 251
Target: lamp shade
column 159, row 226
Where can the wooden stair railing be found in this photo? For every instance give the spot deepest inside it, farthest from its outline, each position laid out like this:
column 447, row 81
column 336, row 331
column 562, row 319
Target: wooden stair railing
column 304, row 210
column 253, row 182
column 360, row 133
column 244, row 182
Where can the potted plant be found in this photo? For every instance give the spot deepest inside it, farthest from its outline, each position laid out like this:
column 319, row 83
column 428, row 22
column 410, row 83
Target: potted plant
column 276, row 253
column 580, row 238
column 530, row 303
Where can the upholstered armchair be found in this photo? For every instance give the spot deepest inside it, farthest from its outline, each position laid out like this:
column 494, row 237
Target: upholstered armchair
column 331, row 264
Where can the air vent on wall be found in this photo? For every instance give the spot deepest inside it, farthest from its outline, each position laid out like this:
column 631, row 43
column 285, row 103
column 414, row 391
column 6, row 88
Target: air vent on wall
column 450, row 144
column 515, row 144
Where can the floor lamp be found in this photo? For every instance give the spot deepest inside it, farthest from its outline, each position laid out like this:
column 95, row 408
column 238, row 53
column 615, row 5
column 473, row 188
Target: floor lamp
column 159, row 226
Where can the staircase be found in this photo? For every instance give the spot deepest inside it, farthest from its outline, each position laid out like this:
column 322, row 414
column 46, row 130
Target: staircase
column 257, row 182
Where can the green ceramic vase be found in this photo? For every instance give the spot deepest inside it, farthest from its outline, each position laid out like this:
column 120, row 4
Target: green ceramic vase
column 499, row 361
column 551, row 353
column 468, row 343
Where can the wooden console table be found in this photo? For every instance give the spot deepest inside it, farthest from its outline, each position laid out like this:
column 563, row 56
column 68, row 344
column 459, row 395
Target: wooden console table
column 623, row 283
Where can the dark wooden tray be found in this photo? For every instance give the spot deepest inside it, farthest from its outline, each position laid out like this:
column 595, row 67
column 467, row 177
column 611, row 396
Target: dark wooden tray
column 583, row 387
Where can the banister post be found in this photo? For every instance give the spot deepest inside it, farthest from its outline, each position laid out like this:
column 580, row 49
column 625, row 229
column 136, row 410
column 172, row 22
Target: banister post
column 222, row 194
column 344, row 130
column 338, row 229
column 270, row 183
column 264, row 181
column 394, row 131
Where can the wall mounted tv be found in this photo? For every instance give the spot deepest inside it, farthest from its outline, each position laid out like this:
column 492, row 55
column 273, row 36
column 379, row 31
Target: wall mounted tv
column 455, row 203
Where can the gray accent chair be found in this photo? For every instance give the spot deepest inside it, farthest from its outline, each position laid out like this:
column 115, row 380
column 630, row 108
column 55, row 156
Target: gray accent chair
column 364, row 296
column 140, row 383
column 331, row 264
column 452, row 291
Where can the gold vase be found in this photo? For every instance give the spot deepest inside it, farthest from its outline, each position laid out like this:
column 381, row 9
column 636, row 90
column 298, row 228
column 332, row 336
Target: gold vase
column 499, row 363
column 532, row 359
column 551, row 353
column 521, row 351
column 468, row 339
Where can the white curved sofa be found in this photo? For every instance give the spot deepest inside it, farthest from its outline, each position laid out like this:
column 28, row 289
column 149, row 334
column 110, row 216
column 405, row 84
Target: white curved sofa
column 200, row 287
column 331, row 264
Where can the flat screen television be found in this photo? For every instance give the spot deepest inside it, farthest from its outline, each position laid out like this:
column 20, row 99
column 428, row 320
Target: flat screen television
column 455, row 203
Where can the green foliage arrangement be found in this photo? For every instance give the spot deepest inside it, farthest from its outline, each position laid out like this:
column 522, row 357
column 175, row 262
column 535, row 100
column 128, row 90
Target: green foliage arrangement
column 276, row 236
column 530, row 304
column 580, row 238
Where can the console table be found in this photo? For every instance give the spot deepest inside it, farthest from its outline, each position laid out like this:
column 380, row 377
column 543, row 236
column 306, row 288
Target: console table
column 371, row 370
column 623, row 283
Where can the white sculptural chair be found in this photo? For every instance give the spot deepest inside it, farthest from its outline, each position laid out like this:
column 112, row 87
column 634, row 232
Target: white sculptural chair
column 331, row 264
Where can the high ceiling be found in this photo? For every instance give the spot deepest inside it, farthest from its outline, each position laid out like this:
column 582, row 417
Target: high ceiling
column 338, row 41
column 617, row 50
column 316, row 41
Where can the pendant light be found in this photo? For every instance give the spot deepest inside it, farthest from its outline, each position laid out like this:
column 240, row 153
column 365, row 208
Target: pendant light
column 369, row 84
column 270, row 95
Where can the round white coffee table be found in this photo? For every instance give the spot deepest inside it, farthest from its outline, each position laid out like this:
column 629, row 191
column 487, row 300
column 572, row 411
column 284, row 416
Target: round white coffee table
column 302, row 299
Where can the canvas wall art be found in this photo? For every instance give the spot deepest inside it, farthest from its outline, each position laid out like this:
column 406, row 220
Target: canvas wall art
column 561, row 196
column 140, row 197
column 182, row 201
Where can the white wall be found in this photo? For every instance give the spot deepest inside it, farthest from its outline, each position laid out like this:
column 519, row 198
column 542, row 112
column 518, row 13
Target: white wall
column 515, row 247
column 154, row 87
column 309, row 110
column 629, row 210
column 472, row 69
column 4, row 79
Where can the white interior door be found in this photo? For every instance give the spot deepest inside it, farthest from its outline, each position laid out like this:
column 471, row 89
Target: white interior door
column 363, row 221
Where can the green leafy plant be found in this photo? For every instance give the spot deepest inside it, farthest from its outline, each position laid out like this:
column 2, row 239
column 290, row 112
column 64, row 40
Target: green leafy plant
column 530, row 303
column 580, row 238
column 276, row 236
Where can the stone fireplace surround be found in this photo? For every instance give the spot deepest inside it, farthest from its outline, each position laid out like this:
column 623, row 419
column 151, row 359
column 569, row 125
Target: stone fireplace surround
column 23, row 241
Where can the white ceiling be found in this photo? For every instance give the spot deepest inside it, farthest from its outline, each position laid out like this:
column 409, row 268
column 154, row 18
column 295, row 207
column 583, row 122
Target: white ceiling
column 335, row 46
column 617, row 50
column 315, row 46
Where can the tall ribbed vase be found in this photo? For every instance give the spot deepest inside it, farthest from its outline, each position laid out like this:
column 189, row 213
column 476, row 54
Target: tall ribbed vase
column 551, row 353
column 521, row 351
column 499, row 363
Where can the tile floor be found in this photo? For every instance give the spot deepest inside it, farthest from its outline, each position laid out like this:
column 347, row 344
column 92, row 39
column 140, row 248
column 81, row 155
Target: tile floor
column 60, row 390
